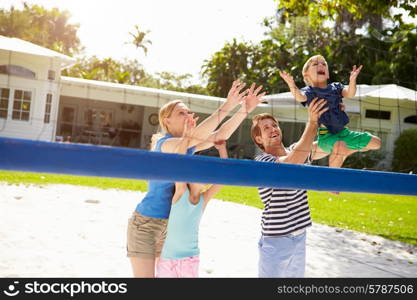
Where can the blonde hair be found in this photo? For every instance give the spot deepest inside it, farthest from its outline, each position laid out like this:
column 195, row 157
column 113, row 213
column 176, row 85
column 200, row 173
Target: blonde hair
column 307, row 65
column 164, row 112
column 255, row 130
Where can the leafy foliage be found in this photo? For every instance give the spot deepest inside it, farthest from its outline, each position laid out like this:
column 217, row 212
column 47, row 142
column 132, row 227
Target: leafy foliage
column 405, row 152
column 345, row 32
column 47, row 28
column 364, row 160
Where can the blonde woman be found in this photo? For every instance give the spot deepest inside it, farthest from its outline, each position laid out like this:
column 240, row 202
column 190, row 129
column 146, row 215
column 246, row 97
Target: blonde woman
column 147, row 226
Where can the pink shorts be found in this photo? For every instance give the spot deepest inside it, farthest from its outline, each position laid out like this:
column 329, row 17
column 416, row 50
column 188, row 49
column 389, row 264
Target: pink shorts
column 177, row 268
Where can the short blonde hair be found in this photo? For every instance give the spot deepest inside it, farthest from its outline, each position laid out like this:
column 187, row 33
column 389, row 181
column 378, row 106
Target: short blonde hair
column 164, row 112
column 255, row 130
column 307, row 65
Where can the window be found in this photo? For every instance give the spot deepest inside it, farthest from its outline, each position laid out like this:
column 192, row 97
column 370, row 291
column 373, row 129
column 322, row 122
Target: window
column 48, row 106
column 51, row 75
column 98, row 118
column 378, row 114
column 411, row 119
column 17, row 71
column 21, row 105
column 4, row 103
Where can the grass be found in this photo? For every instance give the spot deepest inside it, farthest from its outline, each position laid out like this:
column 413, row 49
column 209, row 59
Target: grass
column 98, row 182
column 390, row 216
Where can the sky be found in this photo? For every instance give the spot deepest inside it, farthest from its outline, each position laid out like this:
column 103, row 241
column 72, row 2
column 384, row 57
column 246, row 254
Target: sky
column 184, row 33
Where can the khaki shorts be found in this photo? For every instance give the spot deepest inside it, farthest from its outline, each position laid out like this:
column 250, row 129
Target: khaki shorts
column 145, row 236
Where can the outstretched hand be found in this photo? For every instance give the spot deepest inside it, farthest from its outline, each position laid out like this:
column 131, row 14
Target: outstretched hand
column 234, row 96
column 189, row 126
column 253, row 98
column 316, row 109
column 289, row 80
column 355, row 72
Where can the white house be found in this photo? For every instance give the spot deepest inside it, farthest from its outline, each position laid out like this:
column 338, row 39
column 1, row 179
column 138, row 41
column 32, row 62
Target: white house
column 29, row 89
column 36, row 102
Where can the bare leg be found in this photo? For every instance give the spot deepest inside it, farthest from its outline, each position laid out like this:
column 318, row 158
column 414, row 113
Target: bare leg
column 317, row 153
column 374, row 144
column 143, row 267
column 339, row 154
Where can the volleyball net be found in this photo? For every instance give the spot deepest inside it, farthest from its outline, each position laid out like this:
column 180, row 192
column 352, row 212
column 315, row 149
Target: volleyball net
column 91, row 160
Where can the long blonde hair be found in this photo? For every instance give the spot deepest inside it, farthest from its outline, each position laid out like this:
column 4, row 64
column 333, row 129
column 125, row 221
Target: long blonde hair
column 307, row 65
column 164, row 112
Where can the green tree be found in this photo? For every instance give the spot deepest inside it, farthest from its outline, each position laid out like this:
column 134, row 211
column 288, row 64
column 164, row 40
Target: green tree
column 347, row 15
column 139, row 39
column 331, row 29
column 47, row 28
column 226, row 65
column 388, row 52
column 405, row 152
column 107, row 69
column 130, row 72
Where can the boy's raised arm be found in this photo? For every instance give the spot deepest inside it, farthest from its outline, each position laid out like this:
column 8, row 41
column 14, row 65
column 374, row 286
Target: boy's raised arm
column 295, row 91
column 303, row 147
column 350, row 92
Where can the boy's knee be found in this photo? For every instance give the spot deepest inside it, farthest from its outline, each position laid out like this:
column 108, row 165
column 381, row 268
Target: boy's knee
column 374, row 143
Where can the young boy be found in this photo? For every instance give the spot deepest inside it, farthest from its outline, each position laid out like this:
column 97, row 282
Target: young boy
column 333, row 137
column 286, row 214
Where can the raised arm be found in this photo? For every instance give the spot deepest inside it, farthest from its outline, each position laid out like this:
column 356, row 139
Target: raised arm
column 249, row 103
column 215, row 188
column 295, row 91
column 185, row 141
column 205, row 128
column 350, row 92
column 302, row 149
column 201, row 132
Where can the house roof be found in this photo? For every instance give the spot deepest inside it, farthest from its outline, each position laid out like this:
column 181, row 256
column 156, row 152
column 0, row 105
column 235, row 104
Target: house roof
column 391, row 91
column 386, row 91
column 18, row 45
column 135, row 88
column 282, row 100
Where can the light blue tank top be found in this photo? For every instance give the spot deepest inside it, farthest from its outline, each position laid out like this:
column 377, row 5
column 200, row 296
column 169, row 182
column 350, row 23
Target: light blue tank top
column 157, row 201
column 182, row 232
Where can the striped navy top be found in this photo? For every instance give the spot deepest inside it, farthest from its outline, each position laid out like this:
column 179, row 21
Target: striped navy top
column 286, row 211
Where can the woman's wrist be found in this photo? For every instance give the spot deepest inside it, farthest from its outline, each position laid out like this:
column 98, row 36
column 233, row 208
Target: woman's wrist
column 243, row 110
column 230, row 103
column 313, row 123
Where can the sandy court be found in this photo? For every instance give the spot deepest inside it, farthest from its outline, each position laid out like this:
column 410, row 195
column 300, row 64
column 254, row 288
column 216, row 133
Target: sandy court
column 72, row 231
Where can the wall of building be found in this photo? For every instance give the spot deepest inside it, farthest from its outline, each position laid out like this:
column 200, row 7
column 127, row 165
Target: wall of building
column 17, row 125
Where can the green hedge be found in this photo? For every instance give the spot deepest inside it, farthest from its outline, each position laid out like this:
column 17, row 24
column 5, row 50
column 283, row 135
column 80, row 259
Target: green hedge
column 405, row 152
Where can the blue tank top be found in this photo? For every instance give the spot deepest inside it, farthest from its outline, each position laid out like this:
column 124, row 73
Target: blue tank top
column 157, row 201
column 334, row 119
column 182, row 230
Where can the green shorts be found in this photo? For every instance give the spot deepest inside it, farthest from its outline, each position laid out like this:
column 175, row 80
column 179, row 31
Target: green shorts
column 354, row 140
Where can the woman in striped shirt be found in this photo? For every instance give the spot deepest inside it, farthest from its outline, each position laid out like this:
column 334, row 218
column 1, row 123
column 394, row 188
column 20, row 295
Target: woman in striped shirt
column 286, row 213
